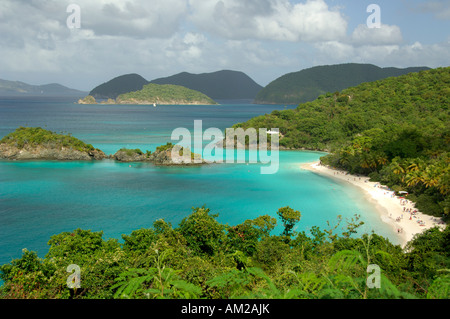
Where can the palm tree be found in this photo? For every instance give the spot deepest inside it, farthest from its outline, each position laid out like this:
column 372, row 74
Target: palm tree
column 346, row 154
column 368, row 161
column 397, row 168
column 382, row 159
column 413, row 178
column 431, row 176
column 416, row 165
column 444, row 183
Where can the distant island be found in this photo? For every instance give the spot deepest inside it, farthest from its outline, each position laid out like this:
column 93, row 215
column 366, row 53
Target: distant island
column 166, row 94
column 36, row 143
column 17, row 88
column 225, row 85
column 119, row 85
column 220, row 85
column 156, row 94
column 308, row 84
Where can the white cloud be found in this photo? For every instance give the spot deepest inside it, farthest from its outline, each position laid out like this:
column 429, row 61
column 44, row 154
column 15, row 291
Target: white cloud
column 133, row 18
column 281, row 20
column 385, row 35
column 159, row 38
column 405, row 55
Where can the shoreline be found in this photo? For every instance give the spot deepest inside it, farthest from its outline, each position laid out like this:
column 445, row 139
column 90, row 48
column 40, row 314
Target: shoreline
column 397, row 212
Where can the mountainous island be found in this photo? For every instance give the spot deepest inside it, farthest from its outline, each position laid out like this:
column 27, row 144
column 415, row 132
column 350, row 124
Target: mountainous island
column 223, row 84
column 17, row 88
column 35, row 143
column 220, row 85
column 306, row 85
column 119, row 85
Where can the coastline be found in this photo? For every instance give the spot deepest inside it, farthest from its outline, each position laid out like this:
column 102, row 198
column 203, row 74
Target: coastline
column 397, row 212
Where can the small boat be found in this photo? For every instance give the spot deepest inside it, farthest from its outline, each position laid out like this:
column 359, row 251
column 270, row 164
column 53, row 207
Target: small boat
column 154, row 104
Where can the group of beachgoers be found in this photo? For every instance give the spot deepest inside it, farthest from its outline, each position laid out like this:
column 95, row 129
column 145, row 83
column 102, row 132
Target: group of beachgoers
column 392, row 202
column 412, row 211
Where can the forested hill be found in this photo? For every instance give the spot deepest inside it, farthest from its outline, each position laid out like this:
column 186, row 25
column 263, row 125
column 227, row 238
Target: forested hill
column 220, row 85
column 395, row 130
column 164, row 94
column 119, row 85
column 308, row 84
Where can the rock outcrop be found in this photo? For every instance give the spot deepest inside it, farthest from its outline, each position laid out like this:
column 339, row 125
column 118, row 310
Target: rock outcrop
column 87, row 100
column 165, row 155
column 40, row 152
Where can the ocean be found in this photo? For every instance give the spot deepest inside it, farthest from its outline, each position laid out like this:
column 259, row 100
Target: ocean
column 41, row 198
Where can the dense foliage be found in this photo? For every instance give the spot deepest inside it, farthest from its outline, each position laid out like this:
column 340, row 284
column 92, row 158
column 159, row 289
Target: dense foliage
column 164, row 94
column 395, row 130
column 34, row 136
column 202, row 258
column 308, row 84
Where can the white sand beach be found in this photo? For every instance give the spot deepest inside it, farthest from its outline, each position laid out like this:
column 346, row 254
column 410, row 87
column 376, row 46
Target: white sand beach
column 398, row 212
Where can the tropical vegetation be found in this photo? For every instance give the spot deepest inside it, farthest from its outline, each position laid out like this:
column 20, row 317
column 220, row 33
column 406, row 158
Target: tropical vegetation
column 202, row 258
column 394, row 130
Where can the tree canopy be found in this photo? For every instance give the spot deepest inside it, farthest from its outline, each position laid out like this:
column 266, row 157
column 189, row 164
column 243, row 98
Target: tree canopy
column 203, row 258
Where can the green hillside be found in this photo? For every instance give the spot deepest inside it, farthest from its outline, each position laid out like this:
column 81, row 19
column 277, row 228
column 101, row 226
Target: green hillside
column 225, row 84
column 395, row 130
column 164, row 94
column 119, row 85
column 308, row 84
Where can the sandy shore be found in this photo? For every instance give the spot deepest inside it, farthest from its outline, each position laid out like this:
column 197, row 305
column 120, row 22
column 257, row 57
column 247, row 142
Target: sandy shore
column 398, row 212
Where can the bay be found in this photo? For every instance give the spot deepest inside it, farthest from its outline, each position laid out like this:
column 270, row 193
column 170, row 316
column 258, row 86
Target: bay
column 41, row 198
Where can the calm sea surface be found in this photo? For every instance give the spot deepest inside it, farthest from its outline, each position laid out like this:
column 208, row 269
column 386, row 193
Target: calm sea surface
column 42, row 198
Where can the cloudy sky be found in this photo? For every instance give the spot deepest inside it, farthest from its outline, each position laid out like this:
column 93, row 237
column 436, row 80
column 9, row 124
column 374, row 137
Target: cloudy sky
column 263, row 38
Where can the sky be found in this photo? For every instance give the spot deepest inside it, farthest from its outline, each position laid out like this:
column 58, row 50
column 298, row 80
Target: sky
column 84, row 43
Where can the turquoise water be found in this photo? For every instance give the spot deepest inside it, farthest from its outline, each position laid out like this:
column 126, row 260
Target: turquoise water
column 42, row 198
